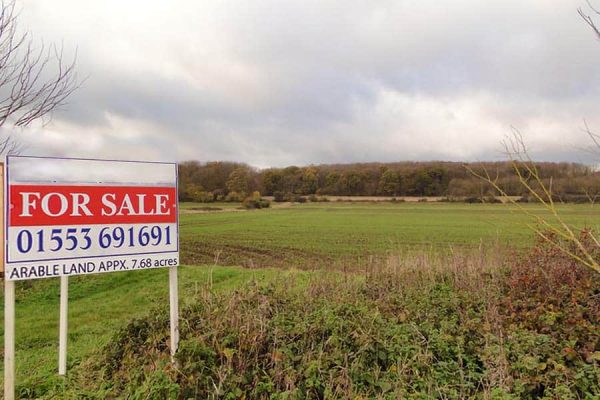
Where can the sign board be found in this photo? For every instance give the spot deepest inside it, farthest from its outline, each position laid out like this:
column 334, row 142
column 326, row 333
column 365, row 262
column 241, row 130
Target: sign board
column 69, row 217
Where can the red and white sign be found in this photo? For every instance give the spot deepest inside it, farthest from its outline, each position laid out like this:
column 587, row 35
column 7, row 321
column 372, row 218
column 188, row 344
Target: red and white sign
column 75, row 224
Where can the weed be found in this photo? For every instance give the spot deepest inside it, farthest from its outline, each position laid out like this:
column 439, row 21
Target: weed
column 428, row 326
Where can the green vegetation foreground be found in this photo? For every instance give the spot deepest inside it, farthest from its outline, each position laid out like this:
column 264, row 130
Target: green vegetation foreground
column 548, row 344
column 426, row 328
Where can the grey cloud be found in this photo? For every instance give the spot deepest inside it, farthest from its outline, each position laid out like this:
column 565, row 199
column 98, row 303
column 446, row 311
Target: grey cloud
column 275, row 83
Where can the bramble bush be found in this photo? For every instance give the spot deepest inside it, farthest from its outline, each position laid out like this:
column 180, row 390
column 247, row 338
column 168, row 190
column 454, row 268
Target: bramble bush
column 284, row 341
column 526, row 329
column 552, row 308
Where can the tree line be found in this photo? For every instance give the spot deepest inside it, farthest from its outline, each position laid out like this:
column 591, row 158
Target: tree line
column 231, row 181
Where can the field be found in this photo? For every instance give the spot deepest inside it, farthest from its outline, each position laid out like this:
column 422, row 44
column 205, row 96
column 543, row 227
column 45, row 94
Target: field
column 216, row 245
column 98, row 306
column 319, row 235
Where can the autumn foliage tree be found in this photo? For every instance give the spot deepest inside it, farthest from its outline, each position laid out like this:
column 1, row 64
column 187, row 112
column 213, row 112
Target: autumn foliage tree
column 571, row 182
column 239, row 181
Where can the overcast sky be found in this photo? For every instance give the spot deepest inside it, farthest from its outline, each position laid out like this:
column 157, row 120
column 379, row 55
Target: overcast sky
column 275, row 83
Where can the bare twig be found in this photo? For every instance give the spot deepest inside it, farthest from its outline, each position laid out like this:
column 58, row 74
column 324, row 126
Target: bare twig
column 29, row 89
column 588, row 19
column 530, row 178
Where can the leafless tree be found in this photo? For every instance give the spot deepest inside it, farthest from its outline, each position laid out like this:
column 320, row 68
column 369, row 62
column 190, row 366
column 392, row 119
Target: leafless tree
column 34, row 79
column 589, row 19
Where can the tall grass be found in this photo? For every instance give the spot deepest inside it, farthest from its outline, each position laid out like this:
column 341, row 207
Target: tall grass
column 448, row 326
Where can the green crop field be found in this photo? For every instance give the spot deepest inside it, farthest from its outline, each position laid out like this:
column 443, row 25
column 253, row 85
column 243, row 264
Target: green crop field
column 296, row 236
column 319, row 234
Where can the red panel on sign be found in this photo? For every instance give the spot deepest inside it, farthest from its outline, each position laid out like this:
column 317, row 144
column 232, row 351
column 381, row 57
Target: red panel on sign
column 34, row 205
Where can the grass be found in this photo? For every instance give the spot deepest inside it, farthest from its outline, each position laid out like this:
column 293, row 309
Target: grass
column 192, row 206
column 304, row 236
column 98, row 306
column 426, row 327
column 321, row 234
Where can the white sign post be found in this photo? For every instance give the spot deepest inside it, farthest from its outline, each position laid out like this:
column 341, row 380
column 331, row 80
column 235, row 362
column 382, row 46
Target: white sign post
column 66, row 217
column 9, row 340
column 63, row 325
column 174, row 311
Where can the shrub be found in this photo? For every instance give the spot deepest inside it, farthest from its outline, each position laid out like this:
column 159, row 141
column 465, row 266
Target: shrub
column 203, row 197
column 298, row 199
column 327, row 340
column 492, row 200
column 552, row 309
column 256, row 202
column 279, row 197
column 196, row 193
column 449, row 329
column 473, row 200
column 572, row 198
column 235, row 197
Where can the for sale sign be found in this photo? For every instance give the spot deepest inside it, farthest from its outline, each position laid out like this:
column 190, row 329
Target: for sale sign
column 74, row 216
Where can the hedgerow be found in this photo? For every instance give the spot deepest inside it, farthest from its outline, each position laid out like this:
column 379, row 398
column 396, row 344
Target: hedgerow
column 527, row 329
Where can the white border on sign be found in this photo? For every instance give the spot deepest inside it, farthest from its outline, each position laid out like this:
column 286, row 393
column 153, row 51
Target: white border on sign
column 9, row 292
column 52, row 168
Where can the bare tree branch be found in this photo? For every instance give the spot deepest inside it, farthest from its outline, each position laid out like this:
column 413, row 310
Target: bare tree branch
column 588, row 19
column 10, row 146
column 34, row 80
column 552, row 228
column 531, row 179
